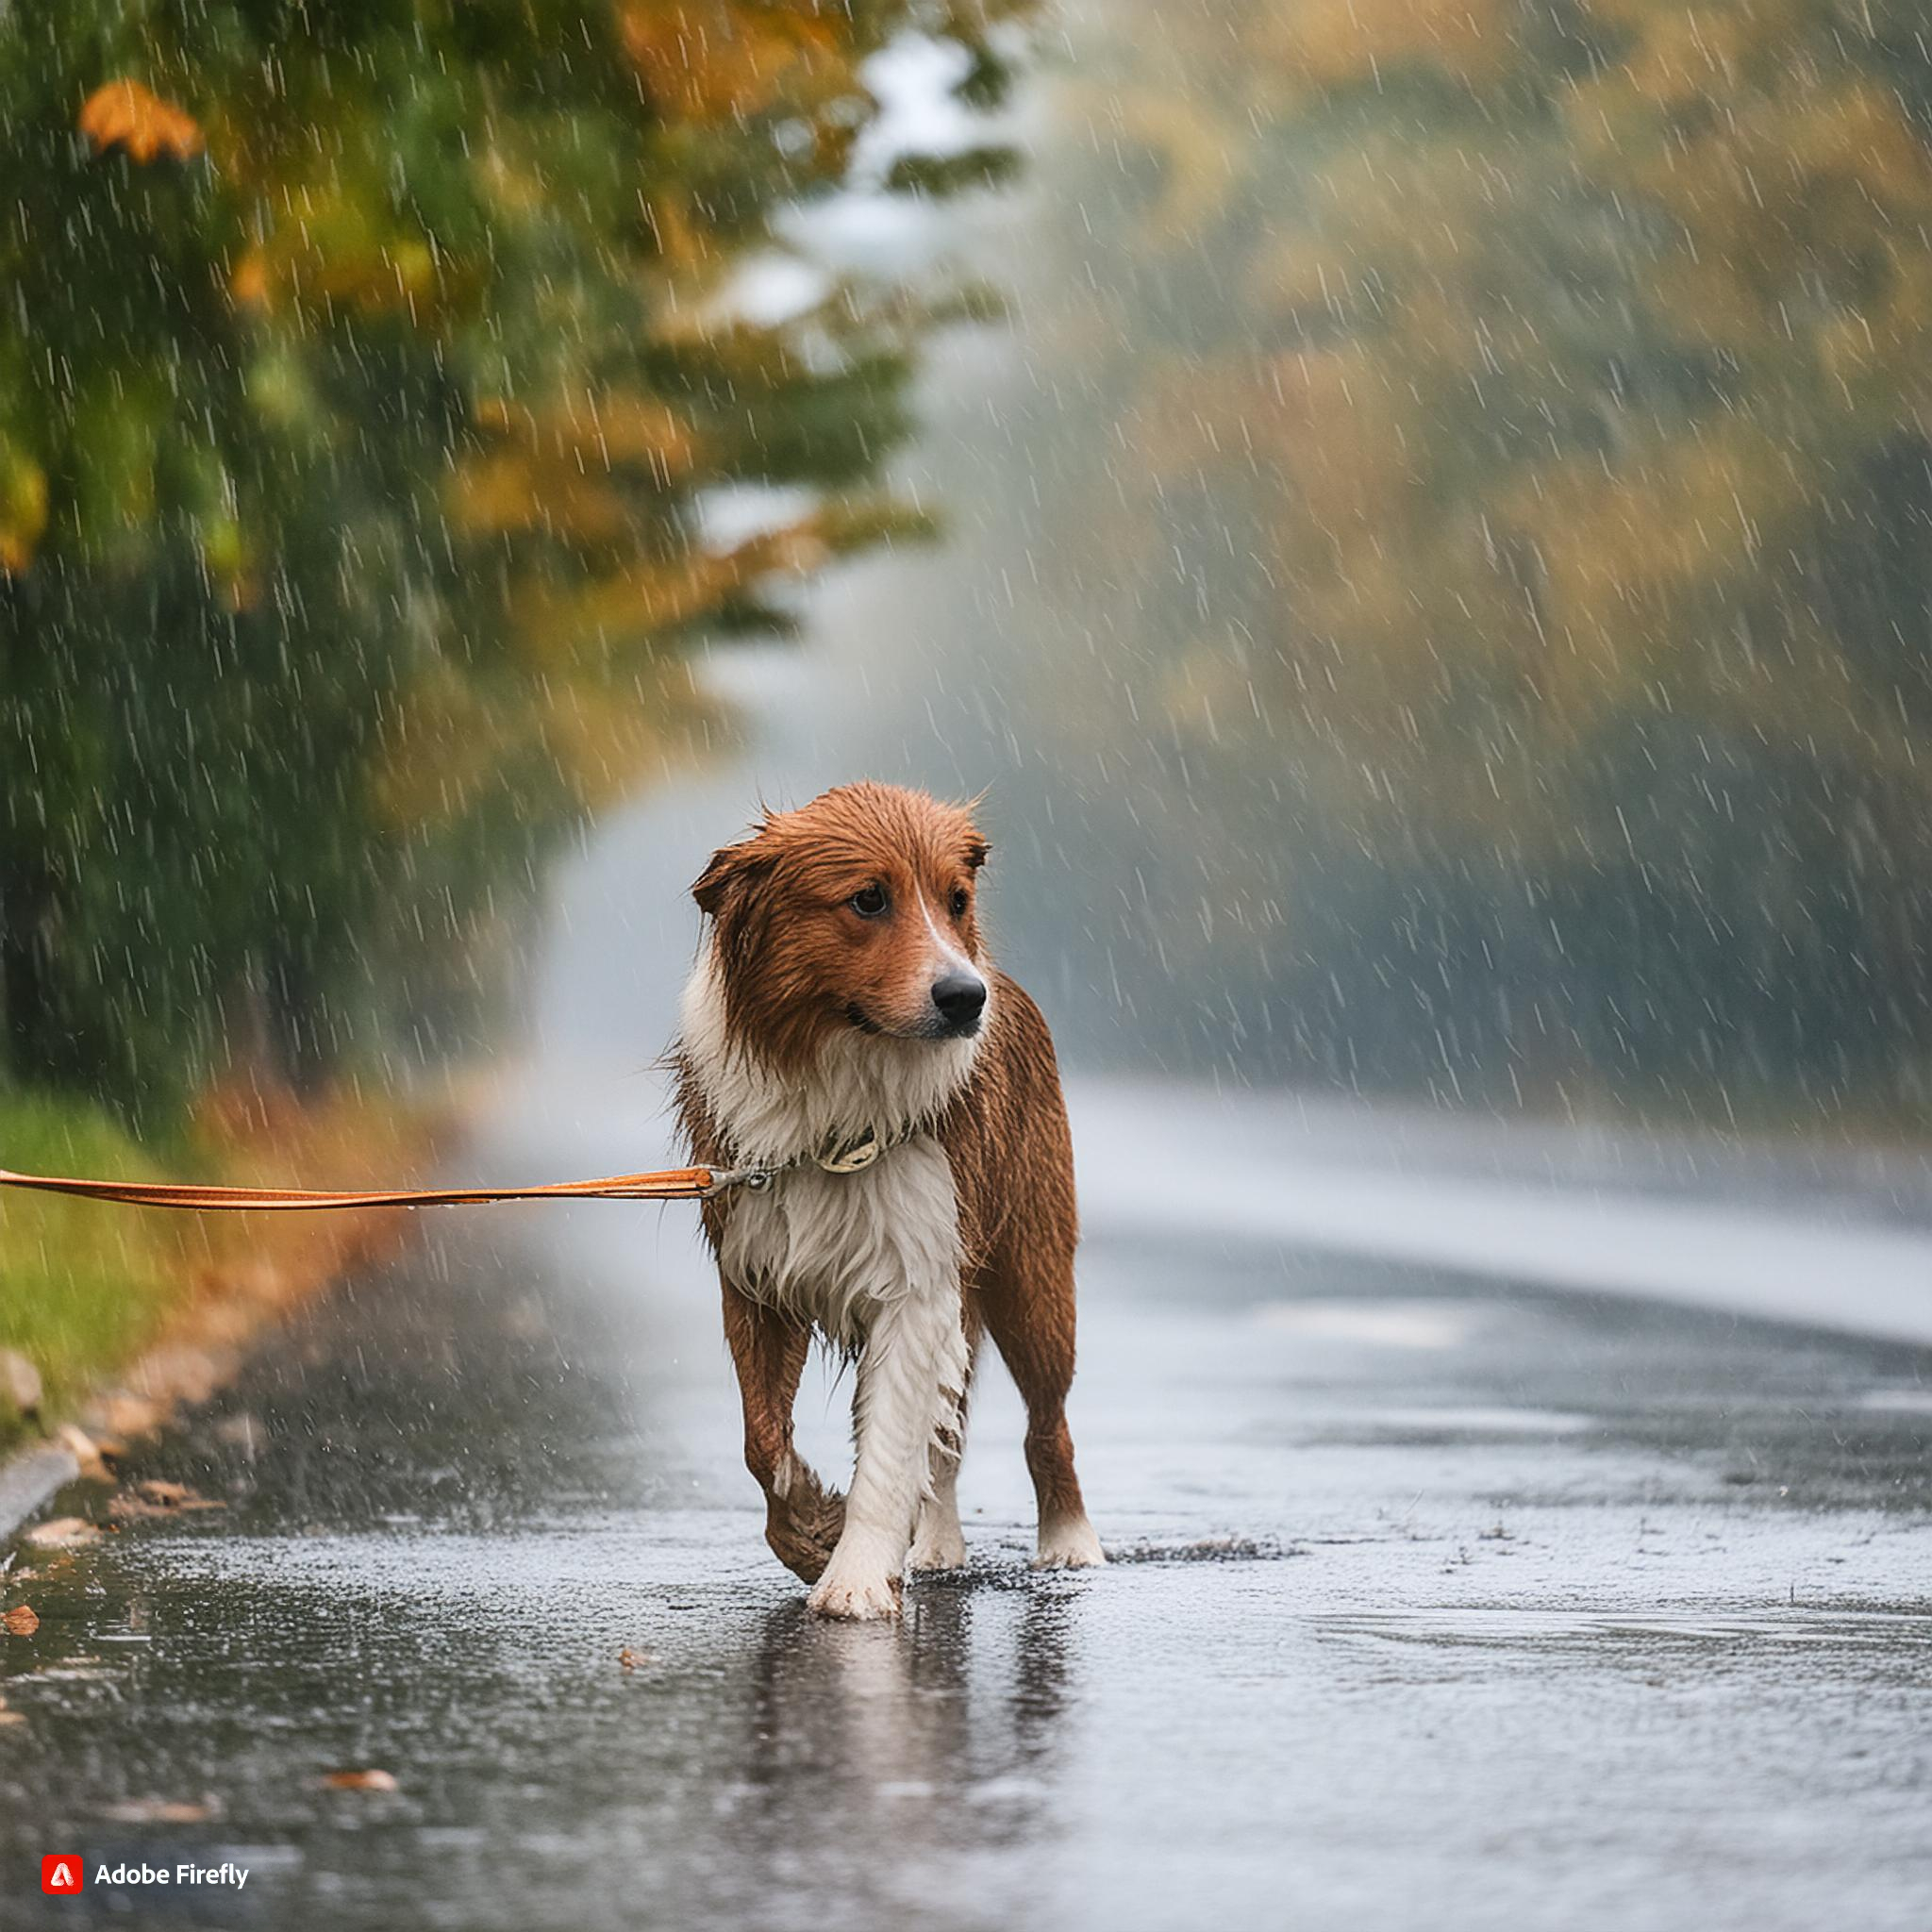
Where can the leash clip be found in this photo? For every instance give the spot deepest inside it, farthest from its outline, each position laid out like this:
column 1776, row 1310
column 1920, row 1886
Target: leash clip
column 754, row 1181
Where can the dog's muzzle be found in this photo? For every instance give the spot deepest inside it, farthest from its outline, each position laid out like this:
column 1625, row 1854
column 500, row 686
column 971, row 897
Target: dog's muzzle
column 959, row 999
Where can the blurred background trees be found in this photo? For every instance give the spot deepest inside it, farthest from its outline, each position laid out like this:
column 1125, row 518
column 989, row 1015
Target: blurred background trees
column 364, row 375
column 1516, row 480
column 1484, row 477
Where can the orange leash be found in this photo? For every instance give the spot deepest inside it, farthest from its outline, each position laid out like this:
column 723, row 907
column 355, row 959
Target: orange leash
column 838, row 1155
column 670, row 1184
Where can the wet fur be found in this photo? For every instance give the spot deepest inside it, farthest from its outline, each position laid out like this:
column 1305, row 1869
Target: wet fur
column 802, row 1026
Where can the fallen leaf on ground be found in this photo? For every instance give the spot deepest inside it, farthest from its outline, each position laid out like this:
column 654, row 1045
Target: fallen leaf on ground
column 628, row 1659
column 161, row 1811
column 359, row 1781
column 21, row 1621
column 61, row 1533
column 155, row 1497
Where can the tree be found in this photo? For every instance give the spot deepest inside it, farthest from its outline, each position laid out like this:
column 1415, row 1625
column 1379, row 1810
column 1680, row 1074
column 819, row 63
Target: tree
column 360, row 379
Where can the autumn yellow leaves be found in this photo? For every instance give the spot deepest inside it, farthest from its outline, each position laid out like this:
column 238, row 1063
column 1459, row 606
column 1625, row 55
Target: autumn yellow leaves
column 1543, row 335
column 364, row 400
column 124, row 114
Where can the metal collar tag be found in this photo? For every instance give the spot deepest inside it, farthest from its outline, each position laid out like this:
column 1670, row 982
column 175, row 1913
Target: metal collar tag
column 853, row 1158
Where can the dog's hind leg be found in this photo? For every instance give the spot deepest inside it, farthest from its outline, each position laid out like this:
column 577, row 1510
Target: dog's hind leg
column 937, row 1541
column 1027, row 1298
column 803, row 1519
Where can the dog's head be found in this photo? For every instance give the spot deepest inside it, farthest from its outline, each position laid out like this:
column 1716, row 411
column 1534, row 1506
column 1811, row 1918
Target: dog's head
column 855, row 911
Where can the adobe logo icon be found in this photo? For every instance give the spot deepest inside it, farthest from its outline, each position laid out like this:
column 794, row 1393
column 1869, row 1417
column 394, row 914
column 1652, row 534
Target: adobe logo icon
column 62, row 1872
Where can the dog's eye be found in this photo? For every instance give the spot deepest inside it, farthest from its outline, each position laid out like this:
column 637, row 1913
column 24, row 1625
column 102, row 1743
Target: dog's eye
column 959, row 901
column 869, row 902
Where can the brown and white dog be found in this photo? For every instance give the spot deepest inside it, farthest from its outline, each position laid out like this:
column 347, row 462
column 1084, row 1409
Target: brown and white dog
column 842, row 1000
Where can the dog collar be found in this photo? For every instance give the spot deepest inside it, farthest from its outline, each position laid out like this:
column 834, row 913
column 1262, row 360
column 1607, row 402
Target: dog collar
column 850, row 1156
column 838, row 1155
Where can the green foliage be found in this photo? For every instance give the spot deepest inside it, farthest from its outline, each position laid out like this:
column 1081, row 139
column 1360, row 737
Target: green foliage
column 360, row 372
column 83, row 1289
column 978, row 167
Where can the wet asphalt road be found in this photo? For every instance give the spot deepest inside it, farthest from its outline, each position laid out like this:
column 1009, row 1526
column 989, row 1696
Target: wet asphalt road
column 1438, row 1605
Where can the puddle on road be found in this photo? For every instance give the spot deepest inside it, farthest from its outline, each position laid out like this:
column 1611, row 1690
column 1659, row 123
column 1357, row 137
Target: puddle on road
column 1473, row 1419
column 1383, row 1323
column 1217, row 1549
column 1897, row 1401
column 1506, row 1628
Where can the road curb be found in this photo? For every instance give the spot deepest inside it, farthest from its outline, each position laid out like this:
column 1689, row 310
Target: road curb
column 27, row 1478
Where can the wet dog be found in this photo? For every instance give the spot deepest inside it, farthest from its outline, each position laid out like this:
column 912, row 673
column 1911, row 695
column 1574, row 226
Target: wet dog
column 845, row 1037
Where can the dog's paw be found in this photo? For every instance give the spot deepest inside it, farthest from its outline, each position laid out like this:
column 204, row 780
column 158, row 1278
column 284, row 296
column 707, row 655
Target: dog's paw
column 1070, row 1545
column 938, row 1546
column 937, row 1543
column 857, row 1598
column 802, row 1526
column 805, row 1558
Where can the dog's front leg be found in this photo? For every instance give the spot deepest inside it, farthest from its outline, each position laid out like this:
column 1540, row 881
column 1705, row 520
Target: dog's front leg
column 911, row 1378
column 802, row 1519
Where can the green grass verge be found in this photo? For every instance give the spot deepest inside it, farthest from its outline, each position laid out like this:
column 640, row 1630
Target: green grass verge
column 80, row 1290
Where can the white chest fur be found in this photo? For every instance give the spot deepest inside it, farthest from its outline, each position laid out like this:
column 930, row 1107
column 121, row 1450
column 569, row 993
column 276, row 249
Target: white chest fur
column 834, row 1248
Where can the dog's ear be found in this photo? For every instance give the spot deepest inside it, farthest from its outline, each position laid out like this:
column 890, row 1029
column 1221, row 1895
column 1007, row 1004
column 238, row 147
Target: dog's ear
column 732, row 869
column 976, row 844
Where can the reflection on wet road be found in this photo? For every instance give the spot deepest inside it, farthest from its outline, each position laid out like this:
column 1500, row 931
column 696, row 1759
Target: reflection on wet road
column 1444, row 1605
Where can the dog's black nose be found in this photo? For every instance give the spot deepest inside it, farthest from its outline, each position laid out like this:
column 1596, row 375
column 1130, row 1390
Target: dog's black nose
column 960, row 998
